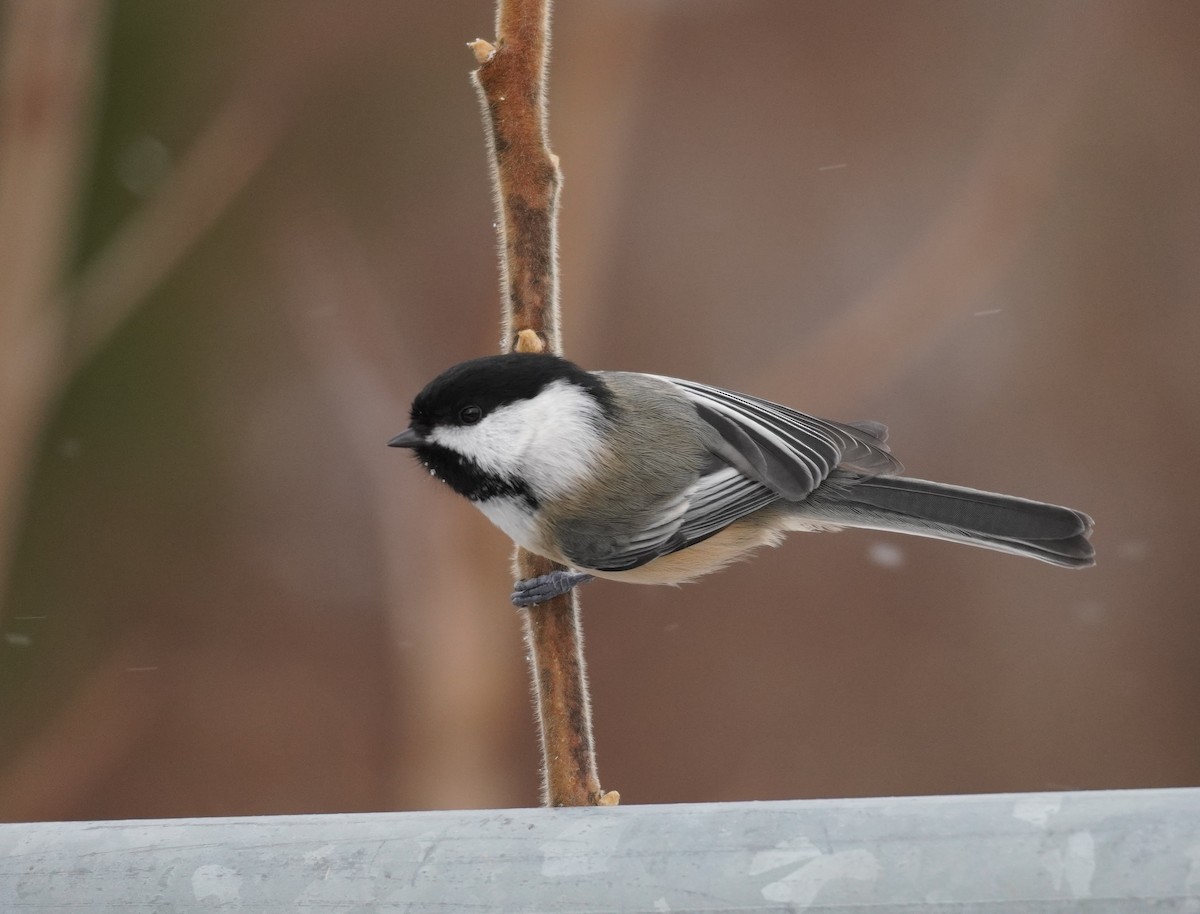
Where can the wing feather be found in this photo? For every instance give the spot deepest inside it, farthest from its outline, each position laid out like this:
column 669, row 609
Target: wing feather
column 712, row 504
column 765, row 452
column 788, row 451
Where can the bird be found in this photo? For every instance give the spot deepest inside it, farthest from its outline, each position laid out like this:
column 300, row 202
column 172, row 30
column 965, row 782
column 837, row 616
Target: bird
column 656, row 480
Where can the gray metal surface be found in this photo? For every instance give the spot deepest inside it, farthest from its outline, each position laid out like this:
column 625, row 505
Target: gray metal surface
column 1104, row 851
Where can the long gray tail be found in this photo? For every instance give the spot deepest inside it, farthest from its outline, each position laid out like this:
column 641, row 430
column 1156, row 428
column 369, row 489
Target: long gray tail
column 1046, row 532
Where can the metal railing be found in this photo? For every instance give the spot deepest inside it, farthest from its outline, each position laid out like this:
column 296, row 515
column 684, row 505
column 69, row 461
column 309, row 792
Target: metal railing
column 1077, row 851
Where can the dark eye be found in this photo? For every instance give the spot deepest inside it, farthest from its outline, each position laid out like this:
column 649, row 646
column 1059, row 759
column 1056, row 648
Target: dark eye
column 469, row 415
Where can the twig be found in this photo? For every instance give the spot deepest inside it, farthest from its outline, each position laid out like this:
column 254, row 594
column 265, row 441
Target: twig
column 511, row 80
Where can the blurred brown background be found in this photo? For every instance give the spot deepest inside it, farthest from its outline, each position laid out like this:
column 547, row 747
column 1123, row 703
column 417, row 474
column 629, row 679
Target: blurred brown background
column 235, row 238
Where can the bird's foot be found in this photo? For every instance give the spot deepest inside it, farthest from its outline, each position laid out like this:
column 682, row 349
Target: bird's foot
column 545, row 587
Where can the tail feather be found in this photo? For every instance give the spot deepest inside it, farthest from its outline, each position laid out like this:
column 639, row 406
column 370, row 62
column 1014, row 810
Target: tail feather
column 1047, row 532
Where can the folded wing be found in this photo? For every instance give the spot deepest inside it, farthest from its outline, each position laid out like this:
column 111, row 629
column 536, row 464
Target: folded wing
column 762, row 452
column 789, row 452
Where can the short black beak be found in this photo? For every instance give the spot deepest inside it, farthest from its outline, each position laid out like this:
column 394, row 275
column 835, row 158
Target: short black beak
column 407, row 438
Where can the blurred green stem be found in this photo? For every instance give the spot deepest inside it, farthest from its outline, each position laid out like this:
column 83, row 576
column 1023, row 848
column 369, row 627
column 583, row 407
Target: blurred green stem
column 51, row 65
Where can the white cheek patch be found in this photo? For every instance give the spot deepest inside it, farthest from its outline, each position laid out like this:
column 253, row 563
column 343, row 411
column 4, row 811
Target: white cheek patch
column 550, row 442
column 491, row 446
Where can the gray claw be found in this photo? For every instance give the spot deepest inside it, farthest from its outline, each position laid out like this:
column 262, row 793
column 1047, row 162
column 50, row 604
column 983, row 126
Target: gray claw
column 543, row 588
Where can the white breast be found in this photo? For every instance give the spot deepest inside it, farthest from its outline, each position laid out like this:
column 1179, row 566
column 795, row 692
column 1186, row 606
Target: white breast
column 511, row 514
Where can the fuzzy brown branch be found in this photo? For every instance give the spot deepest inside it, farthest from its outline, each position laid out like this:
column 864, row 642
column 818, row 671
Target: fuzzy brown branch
column 511, row 80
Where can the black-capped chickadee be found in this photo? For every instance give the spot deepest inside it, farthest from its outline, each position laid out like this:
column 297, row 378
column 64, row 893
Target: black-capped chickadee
column 655, row 480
